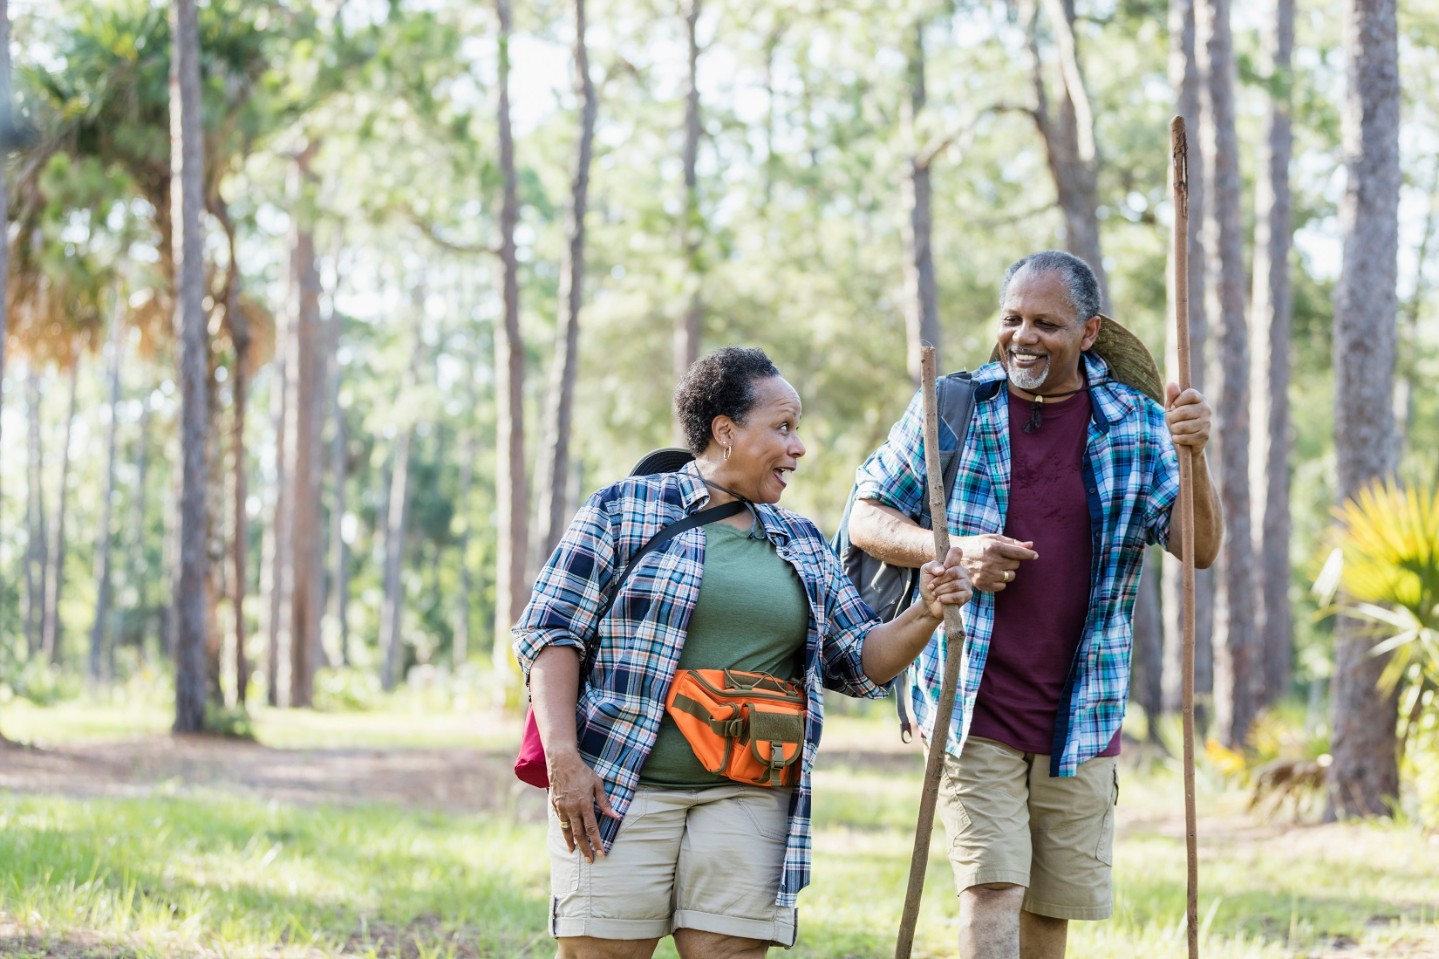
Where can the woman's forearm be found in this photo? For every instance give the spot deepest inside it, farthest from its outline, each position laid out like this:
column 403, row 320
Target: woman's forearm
column 890, row 647
column 554, row 691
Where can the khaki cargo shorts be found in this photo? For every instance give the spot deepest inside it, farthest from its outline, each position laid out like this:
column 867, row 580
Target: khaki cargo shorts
column 705, row 859
column 1009, row 821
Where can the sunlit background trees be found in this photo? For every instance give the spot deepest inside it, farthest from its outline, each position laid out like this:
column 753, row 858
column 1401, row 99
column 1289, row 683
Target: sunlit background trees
column 450, row 256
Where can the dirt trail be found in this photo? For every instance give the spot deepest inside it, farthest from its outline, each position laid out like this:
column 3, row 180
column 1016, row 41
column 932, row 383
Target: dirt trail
column 453, row 780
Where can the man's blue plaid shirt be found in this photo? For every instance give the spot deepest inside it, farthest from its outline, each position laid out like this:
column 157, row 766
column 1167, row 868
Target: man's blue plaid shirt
column 1131, row 475
column 634, row 650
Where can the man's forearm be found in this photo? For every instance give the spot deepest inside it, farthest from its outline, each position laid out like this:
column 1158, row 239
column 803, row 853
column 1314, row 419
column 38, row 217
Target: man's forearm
column 1208, row 519
column 885, row 533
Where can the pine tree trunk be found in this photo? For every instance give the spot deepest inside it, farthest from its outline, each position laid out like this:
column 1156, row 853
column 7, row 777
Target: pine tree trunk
column 1364, row 778
column 1069, row 140
column 1269, row 470
column 187, row 200
column 100, row 630
column 1407, row 367
column 339, row 597
column 37, row 539
column 396, row 521
column 921, row 301
column 53, row 640
column 1238, row 663
column 1184, row 75
column 305, row 428
column 691, row 323
column 512, row 484
column 137, row 568
column 274, row 554
column 460, row 646
column 554, row 454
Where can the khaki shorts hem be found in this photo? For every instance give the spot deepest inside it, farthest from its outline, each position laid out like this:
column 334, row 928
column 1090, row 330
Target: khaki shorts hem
column 983, row 877
column 620, row 929
column 777, row 932
column 1055, row 911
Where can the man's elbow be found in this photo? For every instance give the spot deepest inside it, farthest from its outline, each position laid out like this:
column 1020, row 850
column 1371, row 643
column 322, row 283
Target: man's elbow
column 864, row 525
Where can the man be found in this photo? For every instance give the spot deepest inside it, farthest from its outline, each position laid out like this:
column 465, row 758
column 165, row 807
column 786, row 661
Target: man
column 1066, row 475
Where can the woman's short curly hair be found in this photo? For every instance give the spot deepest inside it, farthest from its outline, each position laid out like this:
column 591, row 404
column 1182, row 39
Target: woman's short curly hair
column 719, row 384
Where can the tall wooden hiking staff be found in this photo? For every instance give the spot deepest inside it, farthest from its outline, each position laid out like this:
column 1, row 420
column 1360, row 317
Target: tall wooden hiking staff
column 1179, row 149
column 954, row 636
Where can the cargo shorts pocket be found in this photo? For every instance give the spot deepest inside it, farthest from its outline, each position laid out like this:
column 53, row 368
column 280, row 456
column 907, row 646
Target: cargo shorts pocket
column 1104, row 849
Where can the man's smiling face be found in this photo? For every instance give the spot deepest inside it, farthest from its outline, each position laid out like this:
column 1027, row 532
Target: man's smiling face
column 1040, row 337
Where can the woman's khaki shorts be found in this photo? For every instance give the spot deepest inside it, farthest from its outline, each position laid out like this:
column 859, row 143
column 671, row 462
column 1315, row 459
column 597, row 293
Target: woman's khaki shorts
column 705, row 859
column 1009, row 821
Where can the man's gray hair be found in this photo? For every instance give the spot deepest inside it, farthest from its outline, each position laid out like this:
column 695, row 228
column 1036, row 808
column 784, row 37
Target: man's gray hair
column 1078, row 277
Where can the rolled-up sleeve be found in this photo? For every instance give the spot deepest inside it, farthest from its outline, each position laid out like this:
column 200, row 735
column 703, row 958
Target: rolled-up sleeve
column 894, row 474
column 568, row 597
column 1163, row 489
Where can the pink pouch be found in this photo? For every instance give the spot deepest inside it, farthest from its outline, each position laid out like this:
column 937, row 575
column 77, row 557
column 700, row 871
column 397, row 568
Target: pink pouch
column 530, row 763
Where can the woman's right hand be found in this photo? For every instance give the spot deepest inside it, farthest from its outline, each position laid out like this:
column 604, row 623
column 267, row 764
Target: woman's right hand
column 575, row 793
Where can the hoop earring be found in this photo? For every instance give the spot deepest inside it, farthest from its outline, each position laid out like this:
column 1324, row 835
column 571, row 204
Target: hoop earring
column 727, row 452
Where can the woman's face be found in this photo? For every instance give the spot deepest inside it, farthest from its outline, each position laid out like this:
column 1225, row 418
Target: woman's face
column 766, row 447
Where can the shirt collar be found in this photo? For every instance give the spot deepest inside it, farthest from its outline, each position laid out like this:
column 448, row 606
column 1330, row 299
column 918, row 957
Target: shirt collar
column 1112, row 400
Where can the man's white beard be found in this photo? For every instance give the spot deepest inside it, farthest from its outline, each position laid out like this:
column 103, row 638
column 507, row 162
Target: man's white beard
column 1028, row 380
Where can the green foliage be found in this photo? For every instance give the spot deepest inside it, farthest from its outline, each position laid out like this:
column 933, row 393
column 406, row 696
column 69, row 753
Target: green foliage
column 40, row 683
column 1387, row 562
column 229, row 722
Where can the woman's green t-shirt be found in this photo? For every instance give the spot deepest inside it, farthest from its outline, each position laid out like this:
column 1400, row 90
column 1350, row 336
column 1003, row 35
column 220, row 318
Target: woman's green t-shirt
column 752, row 614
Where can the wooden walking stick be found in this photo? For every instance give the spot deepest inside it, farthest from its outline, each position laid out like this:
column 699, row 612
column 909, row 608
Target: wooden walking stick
column 954, row 636
column 1179, row 148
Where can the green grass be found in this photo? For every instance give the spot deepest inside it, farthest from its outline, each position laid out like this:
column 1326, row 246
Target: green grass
column 205, row 874
column 406, row 724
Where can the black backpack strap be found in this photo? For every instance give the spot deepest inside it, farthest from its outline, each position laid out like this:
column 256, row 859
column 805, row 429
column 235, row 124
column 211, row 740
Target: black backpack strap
column 702, row 518
column 956, row 408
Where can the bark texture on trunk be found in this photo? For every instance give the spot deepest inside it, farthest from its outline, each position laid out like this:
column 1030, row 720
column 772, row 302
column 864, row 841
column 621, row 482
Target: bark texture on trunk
column 392, row 658
column 52, row 641
column 1184, row 75
column 512, row 494
column 237, row 325
column 100, row 629
column 921, row 301
column 37, row 539
column 274, row 556
column 1238, row 665
column 307, row 389
column 1364, row 778
column 554, row 455
column 1270, row 303
column 690, row 327
column 1069, row 139
column 187, row 201
column 339, row 595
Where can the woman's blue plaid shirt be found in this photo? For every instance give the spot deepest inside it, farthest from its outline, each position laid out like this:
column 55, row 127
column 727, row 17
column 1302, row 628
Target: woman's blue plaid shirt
column 1131, row 474
column 633, row 650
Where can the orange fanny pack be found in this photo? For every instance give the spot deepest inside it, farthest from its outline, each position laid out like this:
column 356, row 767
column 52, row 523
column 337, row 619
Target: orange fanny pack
column 748, row 727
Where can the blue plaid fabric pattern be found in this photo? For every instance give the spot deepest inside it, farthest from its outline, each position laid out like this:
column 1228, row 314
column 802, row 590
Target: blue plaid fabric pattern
column 1131, row 474
column 633, row 650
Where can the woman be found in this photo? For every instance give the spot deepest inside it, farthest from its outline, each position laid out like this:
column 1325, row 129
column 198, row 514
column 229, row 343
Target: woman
column 645, row 840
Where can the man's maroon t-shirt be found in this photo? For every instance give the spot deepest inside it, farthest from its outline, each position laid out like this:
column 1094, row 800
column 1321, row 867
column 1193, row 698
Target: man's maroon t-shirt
column 1039, row 616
